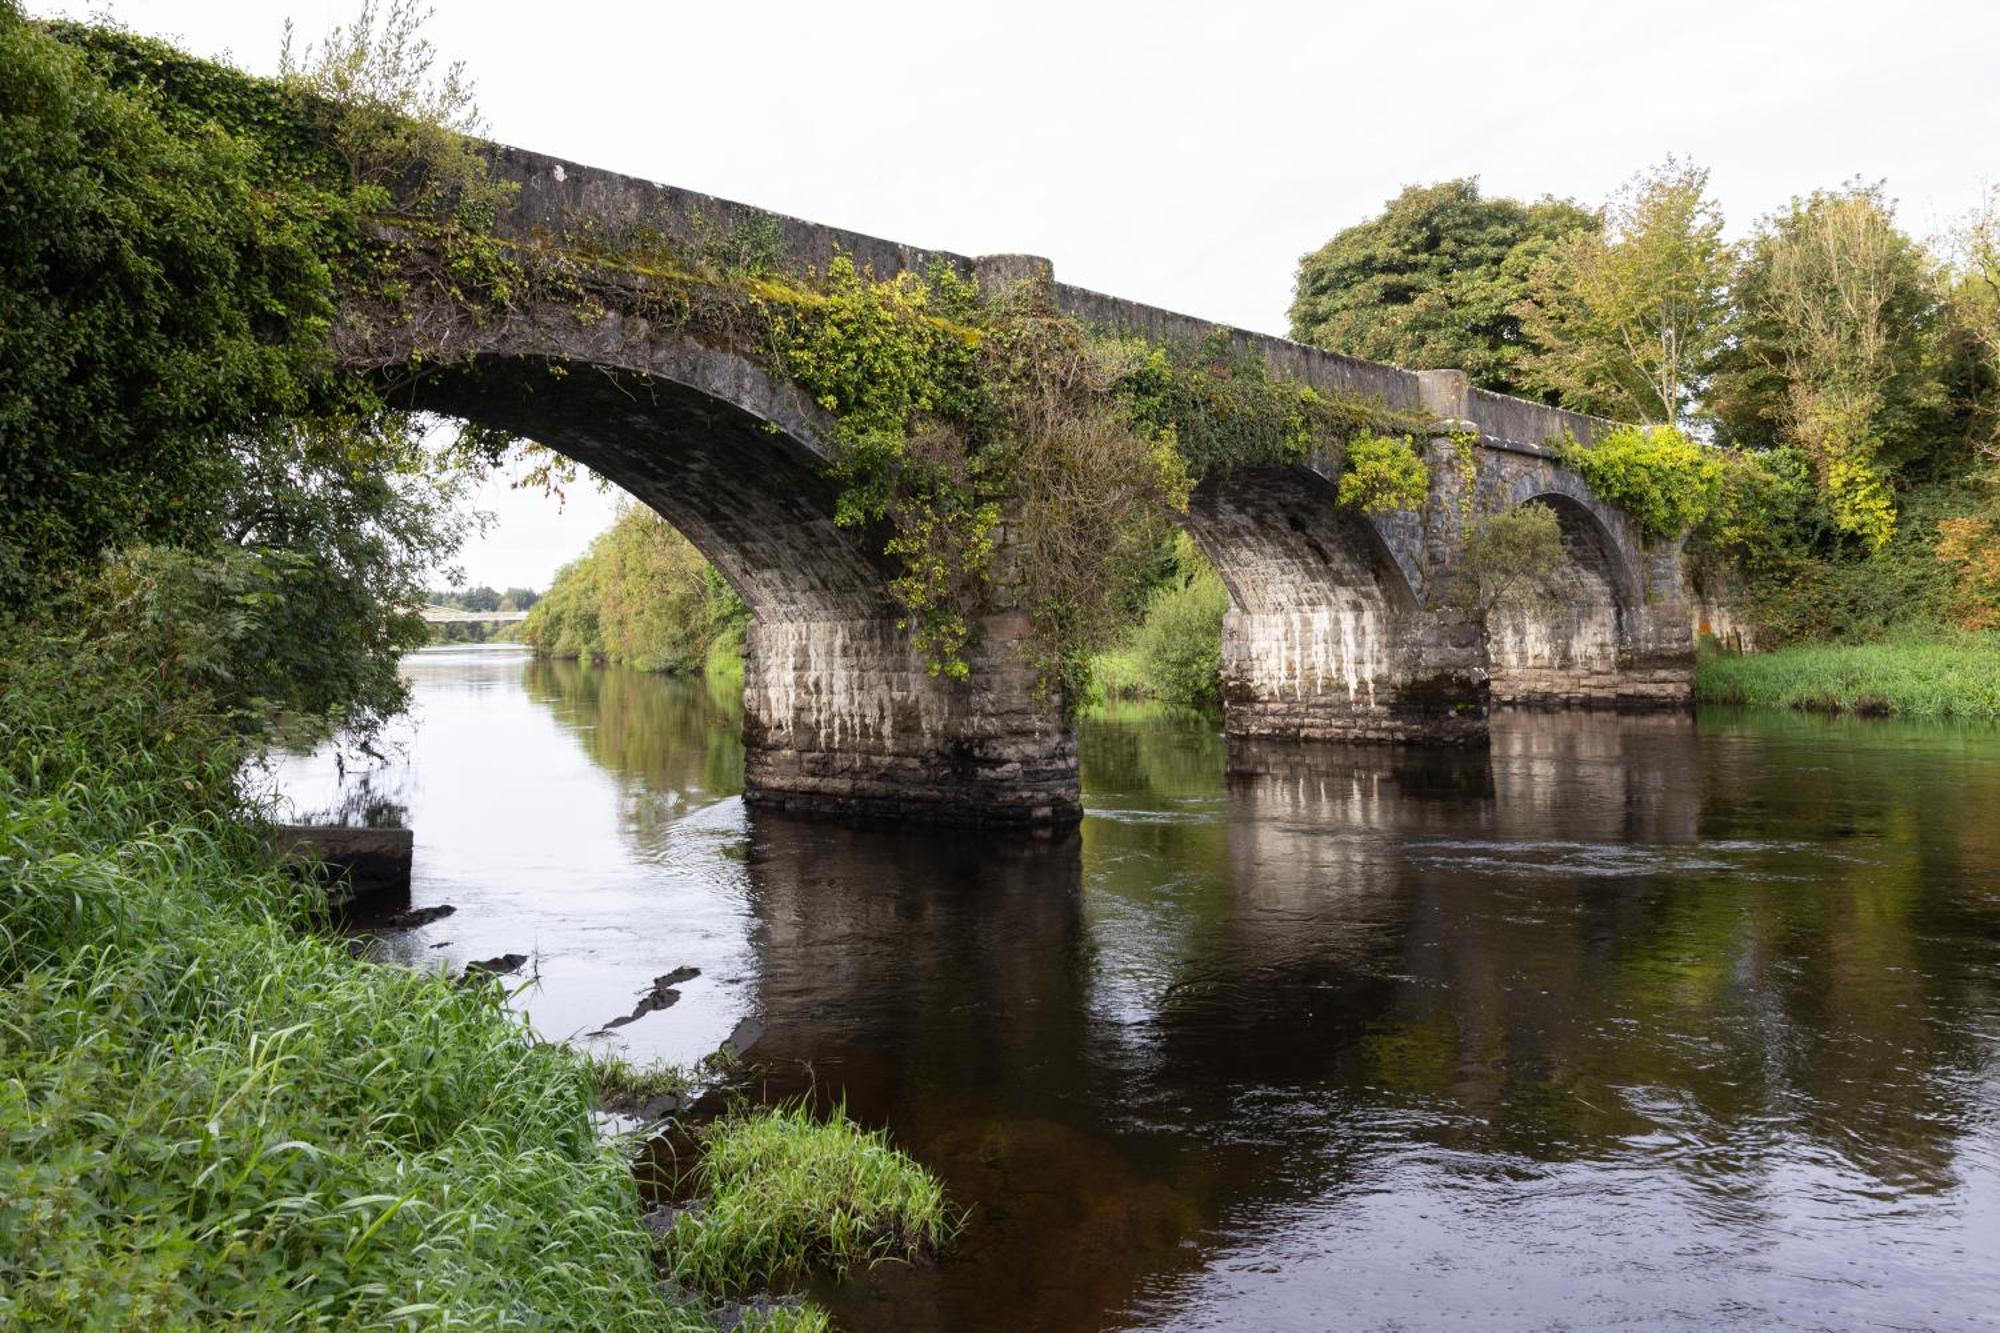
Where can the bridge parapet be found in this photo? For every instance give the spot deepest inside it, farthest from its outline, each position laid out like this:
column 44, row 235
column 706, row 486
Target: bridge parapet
column 567, row 201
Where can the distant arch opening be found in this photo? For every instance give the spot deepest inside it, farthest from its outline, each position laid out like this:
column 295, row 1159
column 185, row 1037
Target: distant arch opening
column 1565, row 644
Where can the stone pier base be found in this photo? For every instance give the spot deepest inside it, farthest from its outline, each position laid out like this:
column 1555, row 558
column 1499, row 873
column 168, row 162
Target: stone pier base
column 1348, row 675
column 1663, row 684
column 843, row 718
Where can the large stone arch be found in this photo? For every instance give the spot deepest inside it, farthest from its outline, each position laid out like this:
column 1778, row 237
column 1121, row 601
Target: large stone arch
column 841, row 714
column 1326, row 636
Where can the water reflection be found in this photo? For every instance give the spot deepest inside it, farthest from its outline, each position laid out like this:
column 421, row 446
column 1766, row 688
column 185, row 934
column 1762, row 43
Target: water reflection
column 1626, row 1020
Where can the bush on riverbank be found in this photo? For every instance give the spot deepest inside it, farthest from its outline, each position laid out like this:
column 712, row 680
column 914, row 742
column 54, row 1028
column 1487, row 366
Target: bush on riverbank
column 641, row 596
column 1174, row 654
column 1912, row 675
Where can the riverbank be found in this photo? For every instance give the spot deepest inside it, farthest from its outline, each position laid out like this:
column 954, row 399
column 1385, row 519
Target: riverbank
column 1940, row 676
column 213, row 1114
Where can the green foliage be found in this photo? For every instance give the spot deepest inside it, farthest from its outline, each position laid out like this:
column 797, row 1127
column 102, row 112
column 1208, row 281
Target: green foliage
column 785, row 1192
column 1910, row 675
column 1664, row 480
column 1436, row 281
column 1835, row 352
column 1381, row 475
column 1816, row 588
column 1515, row 554
column 211, row 1118
column 641, row 596
column 151, row 314
column 1174, row 654
column 1223, row 410
column 1627, row 321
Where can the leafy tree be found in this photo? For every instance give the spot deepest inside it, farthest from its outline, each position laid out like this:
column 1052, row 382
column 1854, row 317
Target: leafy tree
column 1435, row 282
column 175, row 451
column 641, row 595
column 1972, row 311
column 1835, row 350
column 481, row 598
column 1515, row 554
column 1627, row 321
column 519, row 599
column 149, row 315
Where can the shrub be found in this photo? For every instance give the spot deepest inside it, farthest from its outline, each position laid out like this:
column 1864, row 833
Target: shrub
column 1381, row 474
column 1970, row 548
column 1516, row 553
column 1664, row 480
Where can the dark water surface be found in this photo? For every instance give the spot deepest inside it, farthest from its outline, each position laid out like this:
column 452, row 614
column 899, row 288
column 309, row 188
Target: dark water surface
column 1647, row 1023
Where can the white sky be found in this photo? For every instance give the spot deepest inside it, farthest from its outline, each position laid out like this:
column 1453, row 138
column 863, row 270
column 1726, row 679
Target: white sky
column 1183, row 155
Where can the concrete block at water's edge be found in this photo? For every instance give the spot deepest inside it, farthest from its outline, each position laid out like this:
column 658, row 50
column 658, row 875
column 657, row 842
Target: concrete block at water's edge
column 361, row 863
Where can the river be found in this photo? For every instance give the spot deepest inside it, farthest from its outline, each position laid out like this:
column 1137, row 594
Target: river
column 1631, row 1022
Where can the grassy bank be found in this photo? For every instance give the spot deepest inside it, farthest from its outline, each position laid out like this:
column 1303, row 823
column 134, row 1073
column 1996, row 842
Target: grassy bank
column 1942, row 676
column 211, row 1115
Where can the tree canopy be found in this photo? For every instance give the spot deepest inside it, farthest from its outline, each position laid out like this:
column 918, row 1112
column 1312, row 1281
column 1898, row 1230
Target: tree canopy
column 1436, row 281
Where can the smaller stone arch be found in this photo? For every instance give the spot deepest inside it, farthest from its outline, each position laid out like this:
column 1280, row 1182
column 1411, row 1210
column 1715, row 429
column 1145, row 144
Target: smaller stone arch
column 1327, row 637
column 1568, row 645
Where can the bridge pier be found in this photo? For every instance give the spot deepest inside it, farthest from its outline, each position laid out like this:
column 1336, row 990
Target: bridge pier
column 842, row 717
column 1349, row 673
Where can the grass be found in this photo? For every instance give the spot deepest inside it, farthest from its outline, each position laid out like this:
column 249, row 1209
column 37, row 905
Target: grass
column 1909, row 675
column 783, row 1192
column 211, row 1116
column 1120, row 673
column 619, row 1081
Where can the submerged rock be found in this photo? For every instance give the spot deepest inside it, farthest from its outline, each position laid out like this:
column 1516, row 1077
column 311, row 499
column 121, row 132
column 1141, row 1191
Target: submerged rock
column 505, row 965
column 660, row 996
column 413, row 917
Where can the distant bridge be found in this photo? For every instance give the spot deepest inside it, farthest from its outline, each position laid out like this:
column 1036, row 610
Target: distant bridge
column 451, row 615
column 1340, row 627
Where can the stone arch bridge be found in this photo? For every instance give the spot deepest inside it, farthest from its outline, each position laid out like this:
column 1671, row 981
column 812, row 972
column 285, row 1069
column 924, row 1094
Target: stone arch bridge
column 1340, row 627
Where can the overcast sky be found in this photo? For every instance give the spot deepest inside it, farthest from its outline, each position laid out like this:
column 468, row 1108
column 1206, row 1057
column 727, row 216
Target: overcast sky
column 1178, row 154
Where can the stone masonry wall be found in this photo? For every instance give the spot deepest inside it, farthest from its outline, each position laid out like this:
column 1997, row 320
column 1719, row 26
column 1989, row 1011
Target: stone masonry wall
column 843, row 717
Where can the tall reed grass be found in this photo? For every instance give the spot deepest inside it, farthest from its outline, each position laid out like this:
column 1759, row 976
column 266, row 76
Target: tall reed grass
column 1910, row 675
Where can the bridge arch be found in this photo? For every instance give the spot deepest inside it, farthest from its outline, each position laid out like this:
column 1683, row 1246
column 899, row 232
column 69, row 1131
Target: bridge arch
column 841, row 714
column 1326, row 636
column 1567, row 645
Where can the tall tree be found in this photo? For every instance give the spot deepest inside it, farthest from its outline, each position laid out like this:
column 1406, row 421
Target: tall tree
column 1627, row 320
column 1836, row 350
column 1433, row 282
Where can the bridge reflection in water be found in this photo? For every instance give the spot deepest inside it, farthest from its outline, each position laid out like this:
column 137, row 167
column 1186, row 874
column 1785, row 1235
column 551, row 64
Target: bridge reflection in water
column 1628, row 1019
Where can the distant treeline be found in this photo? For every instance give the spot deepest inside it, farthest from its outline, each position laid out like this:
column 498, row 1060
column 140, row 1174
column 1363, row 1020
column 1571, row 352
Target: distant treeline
column 641, row 596
column 1846, row 373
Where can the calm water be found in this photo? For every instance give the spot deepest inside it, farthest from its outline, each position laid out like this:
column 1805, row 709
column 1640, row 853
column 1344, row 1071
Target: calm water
column 1649, row 1023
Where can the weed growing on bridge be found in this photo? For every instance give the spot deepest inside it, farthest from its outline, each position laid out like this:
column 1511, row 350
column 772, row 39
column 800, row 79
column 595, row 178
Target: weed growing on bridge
column 1663, row 479
column 1382, row 475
